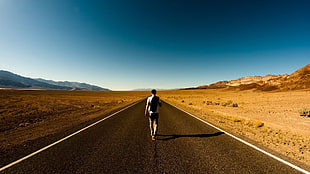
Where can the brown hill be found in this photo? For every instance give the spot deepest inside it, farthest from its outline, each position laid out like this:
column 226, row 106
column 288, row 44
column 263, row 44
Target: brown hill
column 300, row 79
column 217, row 85
column 297, row 80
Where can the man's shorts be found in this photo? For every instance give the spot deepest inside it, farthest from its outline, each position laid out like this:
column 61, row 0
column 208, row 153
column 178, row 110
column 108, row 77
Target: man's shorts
column 154, row 116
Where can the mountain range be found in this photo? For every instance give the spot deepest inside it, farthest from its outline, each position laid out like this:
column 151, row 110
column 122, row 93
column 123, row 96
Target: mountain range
column 11, row 80
column 300, row 79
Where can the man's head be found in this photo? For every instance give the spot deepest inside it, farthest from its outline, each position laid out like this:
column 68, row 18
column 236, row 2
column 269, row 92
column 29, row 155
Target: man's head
column 154, row 91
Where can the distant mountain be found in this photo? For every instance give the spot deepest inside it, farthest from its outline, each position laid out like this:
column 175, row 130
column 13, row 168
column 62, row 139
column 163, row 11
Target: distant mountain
column 150, row 89
column 142, row 89
column 74, row 85
column 11, row 80
column 297, row 80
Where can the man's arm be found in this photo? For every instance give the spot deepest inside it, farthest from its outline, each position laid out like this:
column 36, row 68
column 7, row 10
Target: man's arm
column 146, row 107
column 145, row 112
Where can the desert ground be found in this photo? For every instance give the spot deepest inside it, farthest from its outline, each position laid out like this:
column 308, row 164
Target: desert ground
column 29, row 115
column 271, row 119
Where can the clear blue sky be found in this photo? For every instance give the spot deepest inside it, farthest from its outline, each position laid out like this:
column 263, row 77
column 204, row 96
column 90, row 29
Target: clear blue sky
column 153, row 43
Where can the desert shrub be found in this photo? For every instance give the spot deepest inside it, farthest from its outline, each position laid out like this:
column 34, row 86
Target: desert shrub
column 304, row 112
column 235, row 119
column 228, row 103
column 258, row 124
column 209, row 102
column 224, row 104
column 190, row 103
column 234, row 105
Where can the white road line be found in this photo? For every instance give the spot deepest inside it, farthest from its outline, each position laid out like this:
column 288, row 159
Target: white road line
column 245, row 142
column 63, row 139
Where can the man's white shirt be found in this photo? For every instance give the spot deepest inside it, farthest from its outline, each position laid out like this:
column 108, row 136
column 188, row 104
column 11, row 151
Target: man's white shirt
column 149, row 100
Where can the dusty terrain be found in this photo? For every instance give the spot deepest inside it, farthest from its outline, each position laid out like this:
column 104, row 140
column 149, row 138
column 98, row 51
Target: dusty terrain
column 269, row 118
column 28, row 115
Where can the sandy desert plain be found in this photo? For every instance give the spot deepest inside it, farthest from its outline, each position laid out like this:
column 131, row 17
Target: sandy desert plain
column 28, row 115
column 270, row 119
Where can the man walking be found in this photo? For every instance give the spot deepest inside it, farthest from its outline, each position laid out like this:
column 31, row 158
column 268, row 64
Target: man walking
column 151, row 111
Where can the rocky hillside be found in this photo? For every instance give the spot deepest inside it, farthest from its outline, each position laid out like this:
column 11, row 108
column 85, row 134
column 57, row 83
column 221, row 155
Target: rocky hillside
column 297, row 80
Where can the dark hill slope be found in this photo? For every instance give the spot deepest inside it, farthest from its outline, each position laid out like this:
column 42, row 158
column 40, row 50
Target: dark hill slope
column 11, row 80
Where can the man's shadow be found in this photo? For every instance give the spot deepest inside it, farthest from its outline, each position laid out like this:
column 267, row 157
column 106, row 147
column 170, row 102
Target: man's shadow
column 163, row 137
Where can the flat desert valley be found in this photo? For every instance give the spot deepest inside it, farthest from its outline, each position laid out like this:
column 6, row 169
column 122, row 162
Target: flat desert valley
column 269, row 119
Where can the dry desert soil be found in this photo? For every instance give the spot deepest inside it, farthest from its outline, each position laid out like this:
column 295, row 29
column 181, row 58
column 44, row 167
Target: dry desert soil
column 29, row 115
column 270, row 119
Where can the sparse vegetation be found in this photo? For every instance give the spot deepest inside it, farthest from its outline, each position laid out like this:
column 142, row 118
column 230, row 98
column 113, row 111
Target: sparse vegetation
column 27, row 115
column 258, row 124
column 304, row 112
column 226, row 104
column 269, row 118
column 235, row 119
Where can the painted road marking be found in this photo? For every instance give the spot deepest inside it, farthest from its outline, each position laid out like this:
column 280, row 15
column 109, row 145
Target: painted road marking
column 245, row 142
column 63, row 139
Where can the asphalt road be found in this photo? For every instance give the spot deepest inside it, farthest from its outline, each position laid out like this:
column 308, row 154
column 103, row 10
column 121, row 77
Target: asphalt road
column 122, row 144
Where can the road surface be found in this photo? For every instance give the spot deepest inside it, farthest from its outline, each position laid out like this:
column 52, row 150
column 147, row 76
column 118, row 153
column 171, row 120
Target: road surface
column 122, row 144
